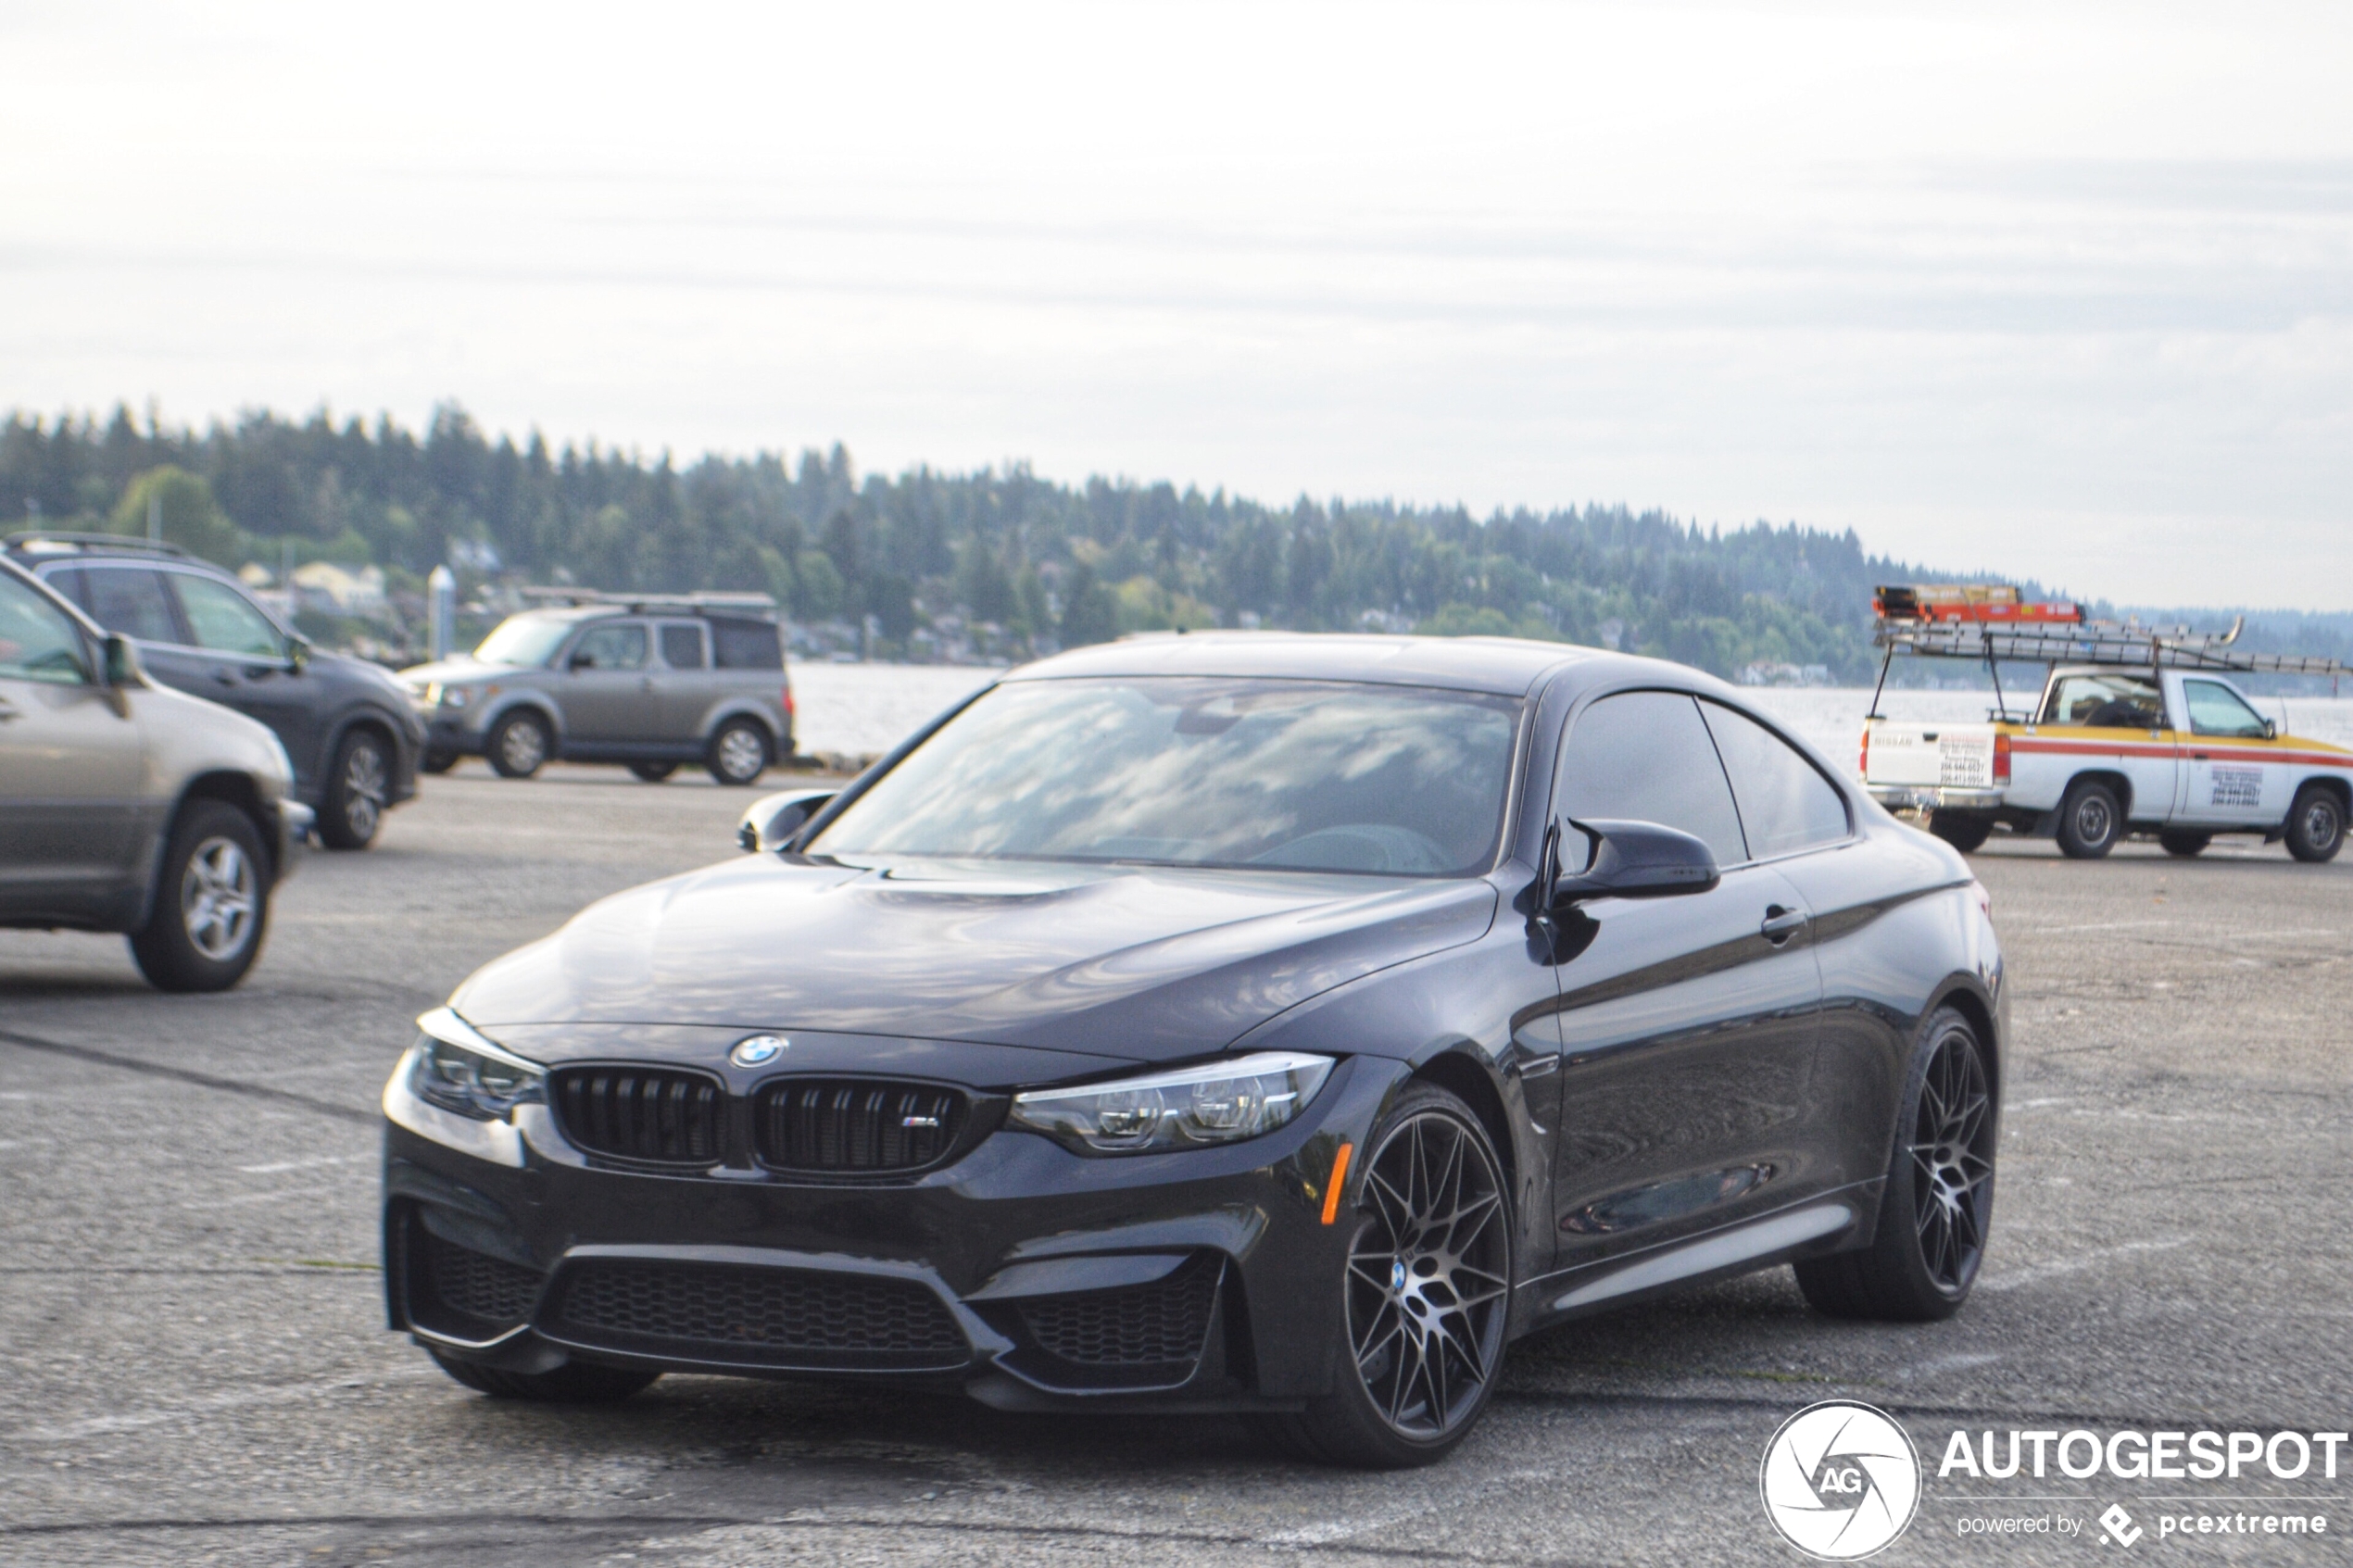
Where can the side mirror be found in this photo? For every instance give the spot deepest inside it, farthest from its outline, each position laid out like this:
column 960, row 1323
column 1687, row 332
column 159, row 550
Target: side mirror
column 770, row 821
column 1638, row 860
column 123, row 667
column 2271, row 729
column 298, row 653
column 579, row 661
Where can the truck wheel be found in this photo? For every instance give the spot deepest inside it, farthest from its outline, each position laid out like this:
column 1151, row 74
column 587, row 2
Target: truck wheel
column 738, row 753
column 211, row 903
column 519, row 746
column 1964, row 831
column 2089, row 821
column 2315, row 823
column 653, row 772
column 1937, row 1208
column 2183, row 842
column 357, row 787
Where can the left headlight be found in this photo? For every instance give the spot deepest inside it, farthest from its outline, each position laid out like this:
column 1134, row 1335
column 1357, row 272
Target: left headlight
column 1219, row 1102
column 460, row 1069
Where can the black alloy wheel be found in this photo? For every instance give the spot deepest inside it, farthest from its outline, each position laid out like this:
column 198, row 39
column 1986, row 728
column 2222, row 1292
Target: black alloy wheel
column 359, row 788
column 519, row 746
column 1937, row 1208
column 575, row 1383
column 1964, row 831
column 211, row 902
column 2090, row 821
column 2184, row 842
column 2316, row 824
column 1428, row 1291
column 653, row 772
column 739, row 753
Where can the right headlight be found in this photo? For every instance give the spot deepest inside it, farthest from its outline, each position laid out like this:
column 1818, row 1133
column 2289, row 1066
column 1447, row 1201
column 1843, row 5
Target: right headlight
column 459, row 1068
column 1217, row 1102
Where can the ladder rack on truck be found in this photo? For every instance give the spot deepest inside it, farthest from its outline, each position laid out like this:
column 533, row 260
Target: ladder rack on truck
column 2136, row 731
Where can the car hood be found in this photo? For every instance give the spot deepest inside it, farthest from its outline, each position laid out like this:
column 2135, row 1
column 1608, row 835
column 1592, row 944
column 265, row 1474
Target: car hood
column 1139, row 963
column 447, row 670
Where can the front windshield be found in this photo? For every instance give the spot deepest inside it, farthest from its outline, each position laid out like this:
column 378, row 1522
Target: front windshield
column 1299, row 775
column 523, row 639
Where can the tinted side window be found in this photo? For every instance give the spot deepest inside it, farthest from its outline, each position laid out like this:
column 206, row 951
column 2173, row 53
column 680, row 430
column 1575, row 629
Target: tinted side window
column 1784, row 803
column 682, row 646
column 1646, row 757
column 223, row 619
column 609, row 647
column 132, row 600
column 37, row 642
column 747, row 645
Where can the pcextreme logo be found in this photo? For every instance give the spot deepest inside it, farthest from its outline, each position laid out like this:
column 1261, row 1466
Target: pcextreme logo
column 1839, row 1480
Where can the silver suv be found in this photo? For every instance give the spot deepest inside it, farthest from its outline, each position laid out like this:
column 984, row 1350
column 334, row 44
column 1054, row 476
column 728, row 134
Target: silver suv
column 126, row 806
column 652, row 680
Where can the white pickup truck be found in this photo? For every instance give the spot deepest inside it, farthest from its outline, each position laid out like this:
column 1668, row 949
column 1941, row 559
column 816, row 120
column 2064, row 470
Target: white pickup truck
column 2111, row 751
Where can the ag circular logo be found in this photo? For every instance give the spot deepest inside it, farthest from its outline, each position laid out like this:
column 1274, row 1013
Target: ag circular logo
column 1839, row 1480
column 756, row 1051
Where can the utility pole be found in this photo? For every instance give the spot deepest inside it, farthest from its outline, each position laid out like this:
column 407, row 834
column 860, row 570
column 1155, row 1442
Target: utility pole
column 441, row 612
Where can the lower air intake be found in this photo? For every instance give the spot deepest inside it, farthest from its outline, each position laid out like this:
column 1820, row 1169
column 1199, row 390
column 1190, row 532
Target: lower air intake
column 465, row 1294
column 756, row 1316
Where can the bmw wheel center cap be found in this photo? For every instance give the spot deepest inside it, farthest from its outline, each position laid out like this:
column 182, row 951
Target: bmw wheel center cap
column 758, row 1051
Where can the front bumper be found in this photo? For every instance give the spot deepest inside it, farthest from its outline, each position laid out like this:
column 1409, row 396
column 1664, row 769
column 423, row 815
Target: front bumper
column 1026, row 1275
column 1933, row 797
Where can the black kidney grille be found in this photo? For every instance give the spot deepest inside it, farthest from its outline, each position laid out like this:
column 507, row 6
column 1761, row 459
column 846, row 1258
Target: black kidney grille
column 776, row 1311
column 475, row 1284
column 1163, row 1323
column 643, row 1114
column 855, row 1124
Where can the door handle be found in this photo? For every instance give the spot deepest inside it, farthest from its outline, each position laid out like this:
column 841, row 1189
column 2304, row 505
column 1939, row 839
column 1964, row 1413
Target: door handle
column 2197, row 756
column 1780, row 924
column 225, row 677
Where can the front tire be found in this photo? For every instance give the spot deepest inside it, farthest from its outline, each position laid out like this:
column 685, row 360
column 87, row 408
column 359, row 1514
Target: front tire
column 518, row 747
column 575, row 1383
column 1424, row 1294
column 1937, row 1208
column 2316, row 824
column 739, row 753
column 2090, row 821
column 358, row 789
column 211, row 903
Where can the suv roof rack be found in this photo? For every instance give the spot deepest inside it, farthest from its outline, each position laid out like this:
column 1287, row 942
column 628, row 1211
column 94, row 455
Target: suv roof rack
column 44, row 540
column 652, row 601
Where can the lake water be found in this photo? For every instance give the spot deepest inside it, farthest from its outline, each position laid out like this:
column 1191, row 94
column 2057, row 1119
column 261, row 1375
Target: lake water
column 865, row 709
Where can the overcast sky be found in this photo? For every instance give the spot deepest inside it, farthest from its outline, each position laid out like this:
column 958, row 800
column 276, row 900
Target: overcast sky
column 2059, row 290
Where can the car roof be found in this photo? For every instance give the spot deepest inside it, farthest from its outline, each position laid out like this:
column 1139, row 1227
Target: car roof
column 1508, row 666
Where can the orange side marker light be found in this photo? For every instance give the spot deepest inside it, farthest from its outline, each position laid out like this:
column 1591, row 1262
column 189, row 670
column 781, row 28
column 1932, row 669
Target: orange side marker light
column 1331, row 1188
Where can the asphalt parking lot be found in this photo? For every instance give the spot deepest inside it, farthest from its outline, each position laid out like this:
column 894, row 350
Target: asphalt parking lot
column 193, row 1366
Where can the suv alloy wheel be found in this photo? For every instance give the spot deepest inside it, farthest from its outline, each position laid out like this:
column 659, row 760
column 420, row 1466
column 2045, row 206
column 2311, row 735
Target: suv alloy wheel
column 358, row 785
column 211, row 903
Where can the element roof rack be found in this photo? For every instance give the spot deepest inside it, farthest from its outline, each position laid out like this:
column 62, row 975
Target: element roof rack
column 2097, row 642
column 50, row 541
column 652, row 601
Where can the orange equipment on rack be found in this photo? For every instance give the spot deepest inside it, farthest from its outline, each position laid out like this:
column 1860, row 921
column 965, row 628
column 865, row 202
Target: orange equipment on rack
column 1994, row 602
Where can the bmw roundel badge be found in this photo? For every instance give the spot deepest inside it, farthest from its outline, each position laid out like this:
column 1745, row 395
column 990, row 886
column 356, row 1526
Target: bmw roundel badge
column 755, row 1051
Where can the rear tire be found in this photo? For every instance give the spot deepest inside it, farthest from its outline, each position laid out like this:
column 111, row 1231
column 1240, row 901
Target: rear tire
column 2184, row 842
column 653, row 772
column 211, row 902
column 575, row 1383
column 1964, row 831
column 1422, row 1356
column 519, row 746
column 1936, row 1212
column 739, row 753
column 2090, row 821
column 359, row 792
column 2316, row 824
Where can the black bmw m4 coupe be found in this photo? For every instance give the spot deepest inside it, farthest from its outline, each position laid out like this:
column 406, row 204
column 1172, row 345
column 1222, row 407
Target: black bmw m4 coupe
column 1259, row 1023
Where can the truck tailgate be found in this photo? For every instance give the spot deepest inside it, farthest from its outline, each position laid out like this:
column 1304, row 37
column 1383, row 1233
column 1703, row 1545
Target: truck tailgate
column 1951, row 756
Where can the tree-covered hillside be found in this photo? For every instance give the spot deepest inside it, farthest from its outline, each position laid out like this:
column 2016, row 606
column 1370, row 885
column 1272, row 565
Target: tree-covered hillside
column 925, row 563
